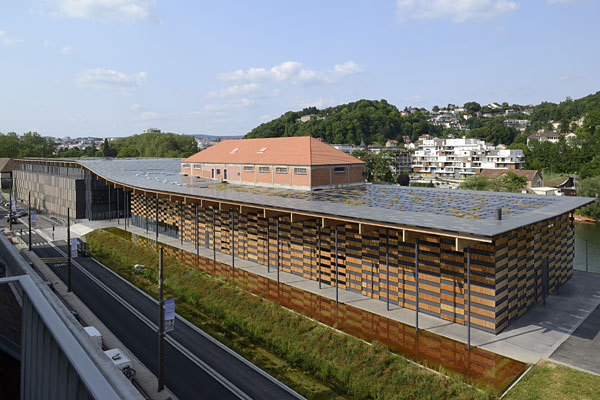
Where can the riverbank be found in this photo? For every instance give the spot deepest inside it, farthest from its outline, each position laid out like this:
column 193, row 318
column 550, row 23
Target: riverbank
column 362, row 370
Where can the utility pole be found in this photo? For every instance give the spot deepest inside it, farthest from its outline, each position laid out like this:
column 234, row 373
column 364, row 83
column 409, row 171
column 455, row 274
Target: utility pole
column 29, row 218
column 468, row 298
column 161, row 324
column 10, row 205
column 68, row 249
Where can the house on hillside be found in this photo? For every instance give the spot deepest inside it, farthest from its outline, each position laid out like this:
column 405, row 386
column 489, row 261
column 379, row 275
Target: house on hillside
column 552, row 137
column 534, row 179
column 303, row 163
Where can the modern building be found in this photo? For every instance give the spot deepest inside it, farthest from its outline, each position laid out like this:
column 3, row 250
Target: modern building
column 401, row 157
column 519, row 124
column 460, row 158
column 151, row 130
column 289, row 162
column 414, row 247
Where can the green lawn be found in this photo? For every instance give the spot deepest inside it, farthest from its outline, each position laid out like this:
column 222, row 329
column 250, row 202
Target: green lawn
column 547, row 380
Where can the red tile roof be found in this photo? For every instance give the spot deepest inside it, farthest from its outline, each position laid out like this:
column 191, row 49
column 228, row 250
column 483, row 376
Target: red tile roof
column 296, row 150
column 494, row 173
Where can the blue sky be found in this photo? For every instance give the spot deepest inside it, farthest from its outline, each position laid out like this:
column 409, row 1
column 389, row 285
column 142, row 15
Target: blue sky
column 113, row 67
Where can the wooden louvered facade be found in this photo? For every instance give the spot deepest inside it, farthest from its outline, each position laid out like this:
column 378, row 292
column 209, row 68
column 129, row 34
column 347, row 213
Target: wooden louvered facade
column 508, row 275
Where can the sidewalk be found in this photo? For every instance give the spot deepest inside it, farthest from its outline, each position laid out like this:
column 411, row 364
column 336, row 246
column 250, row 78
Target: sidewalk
column 534, row 336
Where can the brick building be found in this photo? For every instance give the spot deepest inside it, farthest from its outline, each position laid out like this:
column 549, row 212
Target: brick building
column 301, row 163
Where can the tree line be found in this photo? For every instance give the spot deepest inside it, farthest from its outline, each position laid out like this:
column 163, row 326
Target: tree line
column 30, row 144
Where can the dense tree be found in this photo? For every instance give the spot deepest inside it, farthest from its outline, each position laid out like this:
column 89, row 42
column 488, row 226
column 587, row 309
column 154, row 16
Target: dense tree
column 9, row 145
column 364, row 121
column 590, row 188
column 509, row 182
column 472, row 106
column 32, row 144
column 378, row 167
column 155, row 145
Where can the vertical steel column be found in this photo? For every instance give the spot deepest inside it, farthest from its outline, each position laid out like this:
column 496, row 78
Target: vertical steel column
column 197, row 236
column 278, row 265
column 268, row 246
column 387, row 265
column 181, row 222
column 29, row 218
column 118, row 208
column 147, row 208
column 336, row 266
column 68, row 249
column 319, row 246
column 214, row 240
column 586, row 257
column 417, row 284
column 468, row 297
column 161, row 324
column 156, row 218
column 232, row 239
column 109, row 203
column 126, row 205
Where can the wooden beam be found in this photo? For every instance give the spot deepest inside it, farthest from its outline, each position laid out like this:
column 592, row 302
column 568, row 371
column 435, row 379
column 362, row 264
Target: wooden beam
column 209, row 204
column 329, row 222
column 249, row 210
column 268, row 213
column 461, row 244
column 228, row 206
column 364, row 228
column 302, row 217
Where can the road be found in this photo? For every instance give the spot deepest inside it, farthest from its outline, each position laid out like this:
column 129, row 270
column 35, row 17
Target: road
column 196, row 366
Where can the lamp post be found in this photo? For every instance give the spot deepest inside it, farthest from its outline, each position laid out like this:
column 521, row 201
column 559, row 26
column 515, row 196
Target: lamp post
column 10, row 218
column 68, row 249
column 161, row 324
column 29, row 219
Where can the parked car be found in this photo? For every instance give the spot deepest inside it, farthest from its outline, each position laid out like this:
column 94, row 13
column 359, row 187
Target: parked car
column 82, row 248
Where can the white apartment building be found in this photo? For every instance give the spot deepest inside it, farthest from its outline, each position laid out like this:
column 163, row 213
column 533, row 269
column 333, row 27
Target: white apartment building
column 461, row 158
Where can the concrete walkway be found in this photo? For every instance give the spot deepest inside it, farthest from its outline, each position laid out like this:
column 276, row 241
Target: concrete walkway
column 536, row 335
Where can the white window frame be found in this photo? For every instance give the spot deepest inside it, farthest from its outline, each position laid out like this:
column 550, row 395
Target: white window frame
column 281, row 170
column 300, row 171
column 248, row 168
column 264, row 170
column 336, row 171
column 185, row 166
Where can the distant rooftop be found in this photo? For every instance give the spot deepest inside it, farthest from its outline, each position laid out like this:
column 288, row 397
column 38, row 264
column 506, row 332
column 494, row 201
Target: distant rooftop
column 453, row 210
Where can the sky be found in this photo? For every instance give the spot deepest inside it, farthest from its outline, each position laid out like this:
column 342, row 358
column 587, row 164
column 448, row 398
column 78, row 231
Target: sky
column 111, row 68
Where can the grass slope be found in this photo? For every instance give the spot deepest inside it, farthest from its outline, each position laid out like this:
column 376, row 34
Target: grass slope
column 547, row 380
column 363, row 370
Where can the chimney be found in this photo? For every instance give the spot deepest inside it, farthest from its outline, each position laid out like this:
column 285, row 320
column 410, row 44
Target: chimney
column 499, row 213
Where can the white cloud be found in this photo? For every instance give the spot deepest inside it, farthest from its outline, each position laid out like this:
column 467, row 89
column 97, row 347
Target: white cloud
column 48, row 44
column 136, row 107
column 65, row 51
column 151, row 116
column 8, row 41
column 294, row 72
column 241, row 103
column 109, row 79
column 103, row 10
column 300, row 103
column 455, row 10
column 235, row 90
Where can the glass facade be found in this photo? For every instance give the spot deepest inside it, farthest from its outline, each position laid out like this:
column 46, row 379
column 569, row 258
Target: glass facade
column 103, row 201
column 150, row 224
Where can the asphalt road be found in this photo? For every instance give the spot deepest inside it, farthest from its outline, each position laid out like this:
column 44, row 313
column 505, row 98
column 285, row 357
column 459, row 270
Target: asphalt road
column 183, row 374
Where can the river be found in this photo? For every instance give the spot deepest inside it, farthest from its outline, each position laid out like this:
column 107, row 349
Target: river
column 591, row 232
